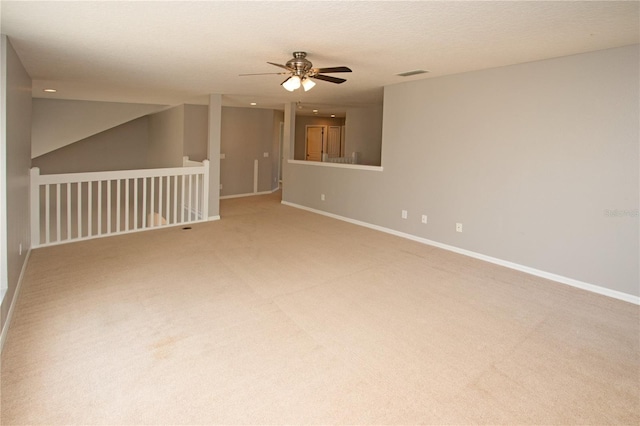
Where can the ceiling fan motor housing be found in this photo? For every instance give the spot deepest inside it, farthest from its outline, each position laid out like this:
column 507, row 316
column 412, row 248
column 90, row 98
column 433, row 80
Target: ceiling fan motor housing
column 299, row 64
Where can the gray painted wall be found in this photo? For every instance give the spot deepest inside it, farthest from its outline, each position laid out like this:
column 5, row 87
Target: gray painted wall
column 166, row 138
column 57, row 123
column 123, row 147
column 162, row 139
column 17, row 108
column 196, row 131
column 539, row 161
column 247, row 133
column 127, row 146
column 363, row 134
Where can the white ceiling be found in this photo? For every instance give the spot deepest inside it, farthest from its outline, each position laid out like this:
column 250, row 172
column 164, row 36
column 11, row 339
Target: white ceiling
column 171, row 52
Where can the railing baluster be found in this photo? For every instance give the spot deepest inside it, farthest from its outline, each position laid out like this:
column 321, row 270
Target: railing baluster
column 126, row 203
column 144, row 203
column 99, row 207
column 108, row 206
column 135, row 204
column 57, row 212
column 190, row 194
column 175, row 199
column 182, row 201
column 159, row 199
column 47, row 213
column 197, row 194
column 168, row 218
column 89, row 208
column 79, row 215
column 118, row 205
column 152, row 208
column 68, row 210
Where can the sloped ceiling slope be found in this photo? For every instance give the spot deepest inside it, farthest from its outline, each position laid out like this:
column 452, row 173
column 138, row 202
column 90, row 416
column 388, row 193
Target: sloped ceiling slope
column 175, row 52
column 57, row 123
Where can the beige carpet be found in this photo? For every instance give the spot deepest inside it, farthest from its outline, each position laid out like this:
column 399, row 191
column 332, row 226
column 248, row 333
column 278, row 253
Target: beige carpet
column 274, row 315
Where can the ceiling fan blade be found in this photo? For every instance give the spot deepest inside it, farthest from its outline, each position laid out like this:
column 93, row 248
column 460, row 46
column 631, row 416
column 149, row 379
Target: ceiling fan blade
column 329, row 78
column 265, row 73
column 333, row 69
column 281, row 66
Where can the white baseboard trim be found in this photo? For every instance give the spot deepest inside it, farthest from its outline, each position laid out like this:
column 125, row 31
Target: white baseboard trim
column 249, row 194
column 511, row 265
column 216, row 217
column 7, row 323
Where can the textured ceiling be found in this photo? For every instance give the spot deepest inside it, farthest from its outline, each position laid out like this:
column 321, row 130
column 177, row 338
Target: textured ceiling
column 172, row 52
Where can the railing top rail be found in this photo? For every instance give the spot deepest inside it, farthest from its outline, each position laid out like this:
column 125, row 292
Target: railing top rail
column 120, row 174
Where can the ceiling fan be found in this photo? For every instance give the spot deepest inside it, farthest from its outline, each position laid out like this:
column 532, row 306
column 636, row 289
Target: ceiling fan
column 301, row 71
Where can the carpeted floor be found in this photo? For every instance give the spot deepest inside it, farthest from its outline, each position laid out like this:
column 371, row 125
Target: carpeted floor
column 274, row 315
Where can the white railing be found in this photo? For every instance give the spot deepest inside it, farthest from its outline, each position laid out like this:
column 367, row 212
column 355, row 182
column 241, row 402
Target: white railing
column 79, row 206
column 352, row 159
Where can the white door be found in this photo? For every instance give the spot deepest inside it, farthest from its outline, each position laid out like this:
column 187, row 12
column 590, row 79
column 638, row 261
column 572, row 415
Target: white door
column 334, row 142
column 315, row 143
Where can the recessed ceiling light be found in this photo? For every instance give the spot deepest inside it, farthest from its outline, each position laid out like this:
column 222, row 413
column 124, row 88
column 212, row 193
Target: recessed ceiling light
column 253, row 104
column 414, row 72
column 315, row 110
column 50, row 90
column 333, row 115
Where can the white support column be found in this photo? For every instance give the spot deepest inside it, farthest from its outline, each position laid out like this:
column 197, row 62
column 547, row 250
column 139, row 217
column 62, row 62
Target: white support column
column 213, row 153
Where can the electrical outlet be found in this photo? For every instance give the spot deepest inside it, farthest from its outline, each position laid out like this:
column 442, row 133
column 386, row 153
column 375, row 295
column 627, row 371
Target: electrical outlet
column 222, row 156
column 424, row 218
column 458, row 227
column 322, row 197
column 404, row 214
column 265, row 154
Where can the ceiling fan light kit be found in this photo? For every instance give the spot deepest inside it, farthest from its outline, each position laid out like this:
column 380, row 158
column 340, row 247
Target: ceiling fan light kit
column 292, row 83
column 301, row 71
column 308, row 84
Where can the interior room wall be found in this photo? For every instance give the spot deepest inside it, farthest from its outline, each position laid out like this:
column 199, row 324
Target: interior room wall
column 247, row 133
column 166, row 138
column 196, row 131
column 302, row 121
column 538, row 162
column 16, row 141
column 123, row 147
column 57, row 122
column 363, row 134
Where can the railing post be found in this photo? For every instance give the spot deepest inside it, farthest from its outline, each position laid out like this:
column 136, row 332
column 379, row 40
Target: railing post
column 35, row 207
column 205, row 191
